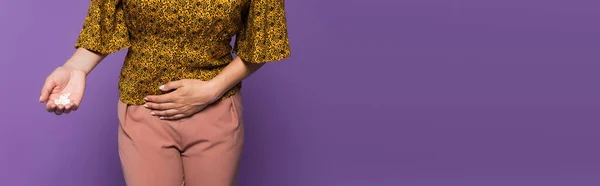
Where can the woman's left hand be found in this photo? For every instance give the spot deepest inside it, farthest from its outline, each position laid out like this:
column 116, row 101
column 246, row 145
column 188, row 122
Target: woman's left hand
column 188, row 97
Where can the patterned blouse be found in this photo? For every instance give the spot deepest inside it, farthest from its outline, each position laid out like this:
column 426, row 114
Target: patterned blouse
column 183, row 39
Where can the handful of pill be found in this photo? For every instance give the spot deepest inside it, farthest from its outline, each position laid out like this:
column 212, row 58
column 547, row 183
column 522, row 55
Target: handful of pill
column 63, row 100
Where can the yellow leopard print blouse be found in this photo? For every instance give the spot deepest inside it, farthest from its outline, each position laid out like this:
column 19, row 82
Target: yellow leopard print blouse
column 183, row 39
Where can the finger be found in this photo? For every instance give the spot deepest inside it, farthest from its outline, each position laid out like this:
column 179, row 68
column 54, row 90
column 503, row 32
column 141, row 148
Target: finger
column 75, row 107
column 160, row 106
column 69, row 108
column 59, row 109
column 175, row 117
column 47, row 89
column 172, row 85
column 165, row 98
column 165, row 113
column 71, row 104
column 50, row 107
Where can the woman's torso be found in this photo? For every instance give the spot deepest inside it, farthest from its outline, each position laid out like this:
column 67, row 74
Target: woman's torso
column 183, row 39
column 177, row 39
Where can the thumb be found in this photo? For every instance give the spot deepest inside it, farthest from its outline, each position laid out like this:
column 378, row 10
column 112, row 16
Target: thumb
column 172, row 85
column 47, row 89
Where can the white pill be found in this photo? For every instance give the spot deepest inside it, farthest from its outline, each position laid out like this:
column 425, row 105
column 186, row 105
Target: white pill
column 63, row 99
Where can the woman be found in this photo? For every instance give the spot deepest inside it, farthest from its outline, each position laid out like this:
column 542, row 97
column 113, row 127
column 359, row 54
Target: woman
column 180, row 112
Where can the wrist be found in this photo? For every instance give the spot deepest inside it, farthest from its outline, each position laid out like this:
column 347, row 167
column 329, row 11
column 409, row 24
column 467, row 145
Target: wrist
column 219, row 86
column 71, row 66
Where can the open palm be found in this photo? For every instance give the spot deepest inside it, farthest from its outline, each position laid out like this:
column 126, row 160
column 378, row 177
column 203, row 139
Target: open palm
column 63, row 81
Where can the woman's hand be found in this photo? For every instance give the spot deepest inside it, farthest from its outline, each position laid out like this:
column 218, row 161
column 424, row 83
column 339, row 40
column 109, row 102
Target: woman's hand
column 188, row 97
column 63, row 81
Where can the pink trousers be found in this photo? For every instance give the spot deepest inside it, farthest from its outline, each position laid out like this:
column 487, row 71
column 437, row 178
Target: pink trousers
column 201, row 150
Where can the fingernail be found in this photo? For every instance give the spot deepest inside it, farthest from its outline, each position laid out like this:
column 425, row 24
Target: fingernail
column 161, row 118
column 145, row 105
column 162, row 87
column 146, row 99
column 152, row 113
column 40, row 98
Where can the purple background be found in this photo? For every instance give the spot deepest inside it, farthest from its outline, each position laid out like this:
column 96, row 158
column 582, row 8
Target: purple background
column 377, row 93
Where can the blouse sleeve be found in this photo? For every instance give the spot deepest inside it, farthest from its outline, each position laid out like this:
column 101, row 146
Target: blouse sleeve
column 104, row 28
column 264, row 36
